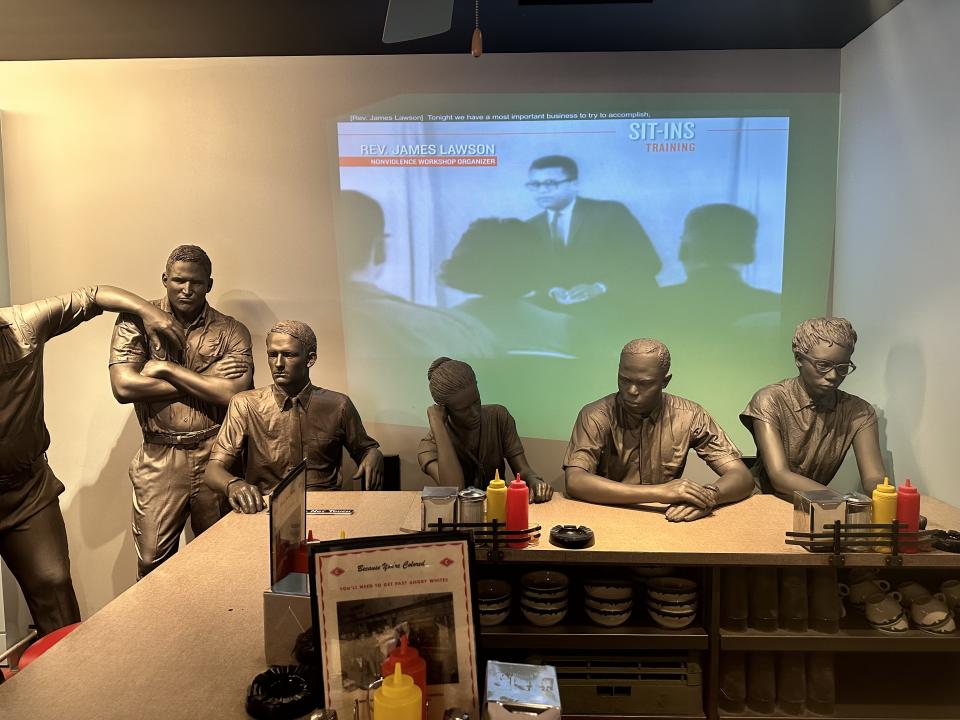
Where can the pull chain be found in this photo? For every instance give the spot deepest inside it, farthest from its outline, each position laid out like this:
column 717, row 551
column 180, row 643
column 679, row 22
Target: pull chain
column 476, row 45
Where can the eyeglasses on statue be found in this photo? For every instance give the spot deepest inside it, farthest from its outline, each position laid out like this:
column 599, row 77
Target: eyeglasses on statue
column 825, row 366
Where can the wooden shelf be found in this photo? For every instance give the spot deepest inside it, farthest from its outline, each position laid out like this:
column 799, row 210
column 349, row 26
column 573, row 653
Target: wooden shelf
column 591, row 637
column 634, row 717
column 843, row 711
column 859, row 638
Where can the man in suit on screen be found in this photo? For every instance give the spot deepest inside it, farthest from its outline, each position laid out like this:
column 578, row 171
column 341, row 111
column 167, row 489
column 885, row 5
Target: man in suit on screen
column 593, row 250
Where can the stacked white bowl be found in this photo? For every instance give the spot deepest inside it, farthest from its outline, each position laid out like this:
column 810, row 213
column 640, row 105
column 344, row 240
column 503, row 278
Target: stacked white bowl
column 493, row 601
column 671, row 601
column 544, row 597
column 608, row 602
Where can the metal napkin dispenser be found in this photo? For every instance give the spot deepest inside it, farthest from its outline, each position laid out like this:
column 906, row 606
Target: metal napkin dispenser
column 859, row 508
column 812, row 509
column 438, row 504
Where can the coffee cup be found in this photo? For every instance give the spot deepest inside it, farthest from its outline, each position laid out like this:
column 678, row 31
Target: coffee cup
column 951, row 592
column 860, row 591
column 910, row 591
column 859, row 574
column 930, row 611
column 884, row 612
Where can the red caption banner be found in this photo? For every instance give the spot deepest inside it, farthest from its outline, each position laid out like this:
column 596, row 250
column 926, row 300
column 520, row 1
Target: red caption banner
column 418, row 161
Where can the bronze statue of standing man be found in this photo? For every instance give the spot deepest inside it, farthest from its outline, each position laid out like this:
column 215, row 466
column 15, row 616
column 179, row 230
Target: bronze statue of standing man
column 181, row 399
column 33, row 539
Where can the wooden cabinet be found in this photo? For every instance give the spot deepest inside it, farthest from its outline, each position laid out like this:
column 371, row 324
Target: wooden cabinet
column 912, row 675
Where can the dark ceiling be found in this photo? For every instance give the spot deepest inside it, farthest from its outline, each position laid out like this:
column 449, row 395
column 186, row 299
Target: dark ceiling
column 62, row 29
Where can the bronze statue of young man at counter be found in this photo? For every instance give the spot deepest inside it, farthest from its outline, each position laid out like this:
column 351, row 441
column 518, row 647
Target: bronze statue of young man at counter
column 180, row 399
column 277, row 426
column 33, row 539
column 468, row 442
column 631, row 447
column 804, row 425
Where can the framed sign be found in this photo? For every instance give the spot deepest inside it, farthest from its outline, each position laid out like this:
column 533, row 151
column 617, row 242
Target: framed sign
column 288, row 522
column 366, row 592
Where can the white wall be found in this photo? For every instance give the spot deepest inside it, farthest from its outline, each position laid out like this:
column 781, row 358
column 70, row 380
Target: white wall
column 110, row 164
column 6, row 581
column 898, row 216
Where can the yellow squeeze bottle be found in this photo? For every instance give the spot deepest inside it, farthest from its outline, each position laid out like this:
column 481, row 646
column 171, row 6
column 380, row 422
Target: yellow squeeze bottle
column 398, row 698
column 884, row 508
column 497, row 501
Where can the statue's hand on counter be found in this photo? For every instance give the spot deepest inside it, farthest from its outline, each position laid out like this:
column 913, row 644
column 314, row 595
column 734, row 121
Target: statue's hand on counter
column 685, row 513
column 540, row 491
column 371, row 469
column 244, row 497
column 686, row 492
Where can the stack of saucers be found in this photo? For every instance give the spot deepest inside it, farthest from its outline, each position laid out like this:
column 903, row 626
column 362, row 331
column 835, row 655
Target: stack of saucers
column 608, row 602
column 493, row 601
column 672, row 601
column 544, row 597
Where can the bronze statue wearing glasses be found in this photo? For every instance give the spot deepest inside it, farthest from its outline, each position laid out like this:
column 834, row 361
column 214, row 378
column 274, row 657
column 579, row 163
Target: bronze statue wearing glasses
column 803, row 426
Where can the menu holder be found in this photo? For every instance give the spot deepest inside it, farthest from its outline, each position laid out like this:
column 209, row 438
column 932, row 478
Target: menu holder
column 364, row 592
column 288, row 524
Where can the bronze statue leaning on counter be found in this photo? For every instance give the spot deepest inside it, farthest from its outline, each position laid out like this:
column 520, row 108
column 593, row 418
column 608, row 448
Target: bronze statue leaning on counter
column 33, row 538
column 277, row 426
column 468, row 442
column 804, row 426
column 631, row 447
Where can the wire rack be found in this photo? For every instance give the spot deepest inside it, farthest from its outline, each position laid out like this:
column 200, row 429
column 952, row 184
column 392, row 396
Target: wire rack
column 839, row 538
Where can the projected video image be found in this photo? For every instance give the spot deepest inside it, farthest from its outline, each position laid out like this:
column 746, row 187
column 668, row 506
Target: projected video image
column 537, row 246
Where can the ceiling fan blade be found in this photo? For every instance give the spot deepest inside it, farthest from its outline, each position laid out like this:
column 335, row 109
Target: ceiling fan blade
column 412, row 19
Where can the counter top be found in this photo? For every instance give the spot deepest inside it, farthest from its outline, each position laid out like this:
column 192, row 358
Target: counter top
column 749, row 532
column 186, row 641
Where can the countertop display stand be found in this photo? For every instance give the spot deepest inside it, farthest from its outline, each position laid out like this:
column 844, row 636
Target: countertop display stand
column 186, row 641
column 855, row 636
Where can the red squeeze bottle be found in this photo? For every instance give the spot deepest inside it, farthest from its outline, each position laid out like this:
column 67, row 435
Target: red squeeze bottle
column 908, row 513
column 518, row 499
column 410, row 664
column 302, row 562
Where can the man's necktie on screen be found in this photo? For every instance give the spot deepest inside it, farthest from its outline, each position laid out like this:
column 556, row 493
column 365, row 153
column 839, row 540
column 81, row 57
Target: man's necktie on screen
column 555, row 232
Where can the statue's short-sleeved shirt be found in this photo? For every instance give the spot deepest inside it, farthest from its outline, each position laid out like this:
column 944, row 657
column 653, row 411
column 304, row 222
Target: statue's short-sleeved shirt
column 212, row 337
column 815, row 437
column 498, row 442
column 27, row 484
column 24, row 330
column 274, row 432
column 652, row 450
